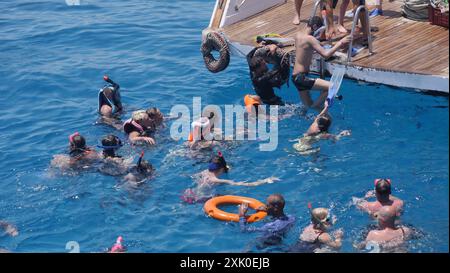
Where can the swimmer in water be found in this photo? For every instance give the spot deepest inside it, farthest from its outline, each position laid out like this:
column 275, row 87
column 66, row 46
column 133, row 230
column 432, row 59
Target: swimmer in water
column 207, row 179
column 156, row 117
column 141, row 172
column 203, row 134
column 118, row 247
column 279, row 224
column 139, row 128
column 9, row 229
column 383, row 197
column 388, row 237
column 113, row 164
column 80, row 155
column 316, row 237
column 317, row 131
column 110, row 103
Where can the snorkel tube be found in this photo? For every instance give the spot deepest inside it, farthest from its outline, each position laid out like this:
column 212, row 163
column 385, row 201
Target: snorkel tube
column 138, row 165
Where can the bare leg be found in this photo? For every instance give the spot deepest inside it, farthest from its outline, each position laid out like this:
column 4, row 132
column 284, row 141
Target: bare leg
column 323, row 86
column 329, row 19
column 298, row 7
column 305, row 96
column 342, row 11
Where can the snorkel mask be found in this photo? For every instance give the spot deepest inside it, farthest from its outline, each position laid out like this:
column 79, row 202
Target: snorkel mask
column 378, row 180
column 217, row 166
column 324, row 223
column 118, row 142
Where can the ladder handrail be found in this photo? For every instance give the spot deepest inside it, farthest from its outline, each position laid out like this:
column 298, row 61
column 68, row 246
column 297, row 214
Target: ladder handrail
column 369, row 36
column 316, row 6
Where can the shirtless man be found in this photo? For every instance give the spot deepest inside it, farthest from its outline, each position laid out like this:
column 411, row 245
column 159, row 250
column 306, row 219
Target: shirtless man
column 383, row 196
column 305, row 45
column 388, row 236
column 318, row 131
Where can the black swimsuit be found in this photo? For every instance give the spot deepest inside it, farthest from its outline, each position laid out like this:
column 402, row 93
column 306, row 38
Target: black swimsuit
column 303, row 82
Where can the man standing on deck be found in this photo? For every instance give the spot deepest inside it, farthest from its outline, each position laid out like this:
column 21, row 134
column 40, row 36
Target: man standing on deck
column 305, row 45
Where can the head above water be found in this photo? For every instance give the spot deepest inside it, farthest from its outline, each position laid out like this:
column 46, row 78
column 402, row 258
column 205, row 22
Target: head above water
column 314, row 24
column 320, row 218
column 155, row 115
column 258, row 65
column 110, row 143
column 218, row 164
column 142, row 118
column 145, row 167
column 77, row 142
column 324, row 122
column 275, row 204
column 382, row 188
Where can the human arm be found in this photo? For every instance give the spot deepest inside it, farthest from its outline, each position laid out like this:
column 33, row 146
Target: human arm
column 135, row 138
column 248, row 184
column 336, row 243
column 328, row 53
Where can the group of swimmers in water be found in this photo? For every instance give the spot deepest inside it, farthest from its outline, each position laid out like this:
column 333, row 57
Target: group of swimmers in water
column 141, row 127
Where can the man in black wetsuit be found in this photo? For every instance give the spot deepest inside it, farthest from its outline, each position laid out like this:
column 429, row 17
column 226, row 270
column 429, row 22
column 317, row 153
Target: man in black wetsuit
column 264, row 80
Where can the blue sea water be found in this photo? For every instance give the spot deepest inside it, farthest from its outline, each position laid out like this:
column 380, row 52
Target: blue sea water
column 52, row 59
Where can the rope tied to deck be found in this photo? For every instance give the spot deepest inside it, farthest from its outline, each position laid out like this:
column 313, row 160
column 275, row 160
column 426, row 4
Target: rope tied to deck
column 215, row 41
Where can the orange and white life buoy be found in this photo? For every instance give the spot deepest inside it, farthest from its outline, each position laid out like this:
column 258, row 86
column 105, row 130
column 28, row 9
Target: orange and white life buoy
column 211, row 208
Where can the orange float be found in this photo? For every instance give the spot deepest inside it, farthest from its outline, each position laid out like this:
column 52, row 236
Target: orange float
column 212, row 210
column 251, row 101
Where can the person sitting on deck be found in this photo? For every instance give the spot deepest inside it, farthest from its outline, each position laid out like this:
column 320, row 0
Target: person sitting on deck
column 9, row 229
column 305, row 45
column 264, row 80
column 318, row 130
column 278, row 226
column 139, row 128
column 110, row 103
column 207, row 179
column 316, row 237
column 389, row 237
column 383, row 196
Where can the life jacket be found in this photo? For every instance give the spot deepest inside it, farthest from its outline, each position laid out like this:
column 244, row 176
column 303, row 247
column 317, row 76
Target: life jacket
column 132, row 126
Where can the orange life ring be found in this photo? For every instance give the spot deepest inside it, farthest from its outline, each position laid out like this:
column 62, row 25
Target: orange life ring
column 211, row 209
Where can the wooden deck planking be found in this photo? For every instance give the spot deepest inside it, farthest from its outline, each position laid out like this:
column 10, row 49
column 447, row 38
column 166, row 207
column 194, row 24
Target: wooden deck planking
column 399, row 44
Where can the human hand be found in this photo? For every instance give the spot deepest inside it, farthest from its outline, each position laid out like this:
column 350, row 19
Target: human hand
column 149, row 140
column 339, row 234
column 272, row 48
column 345, row 41
column 270, row 179
column 345, row 133
column 243, row 208
column 370, row 194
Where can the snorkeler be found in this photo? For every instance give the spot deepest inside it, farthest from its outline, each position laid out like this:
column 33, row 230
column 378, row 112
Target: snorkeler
column 113, row 164
column 79, row 154
column 139, row 128
column 388, row 237
column 110, row 103
column 305, row 46
column 118, row 247
column 384, row 198
column 9, row 229
column 156, row 117
column 316, row 237
column 203, row 134
column 207, row 179
column 277, row 227
column 139, row 173
column 318, row 130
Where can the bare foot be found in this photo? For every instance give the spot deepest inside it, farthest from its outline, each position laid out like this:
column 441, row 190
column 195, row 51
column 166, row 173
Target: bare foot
column 296, row 20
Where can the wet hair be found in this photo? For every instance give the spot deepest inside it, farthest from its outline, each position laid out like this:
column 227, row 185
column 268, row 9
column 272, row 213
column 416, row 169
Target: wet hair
column 111, row 140
column 145, row 167
column 217, row 163
column 139, row 115
column 256, row 62
column 324, row 123
column 154, row 113
column 315, row 23
column 77, row 145
column 383, row 188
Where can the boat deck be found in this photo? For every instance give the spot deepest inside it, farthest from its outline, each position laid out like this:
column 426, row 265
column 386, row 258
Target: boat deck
column 399, row 45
